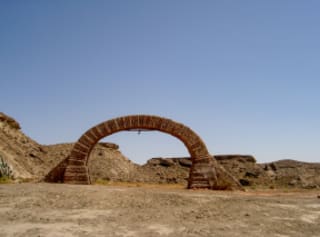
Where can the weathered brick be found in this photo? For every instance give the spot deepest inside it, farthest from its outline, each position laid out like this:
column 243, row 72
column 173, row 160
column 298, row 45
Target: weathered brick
column 202, row 171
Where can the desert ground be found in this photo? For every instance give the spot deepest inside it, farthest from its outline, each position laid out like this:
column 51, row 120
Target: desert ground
column 42, row 209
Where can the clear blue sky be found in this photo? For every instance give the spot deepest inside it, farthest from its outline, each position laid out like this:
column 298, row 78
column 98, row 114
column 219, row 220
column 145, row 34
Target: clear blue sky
column 245, row 75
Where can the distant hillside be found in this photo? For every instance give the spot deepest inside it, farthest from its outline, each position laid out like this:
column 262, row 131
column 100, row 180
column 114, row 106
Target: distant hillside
column 28, row 159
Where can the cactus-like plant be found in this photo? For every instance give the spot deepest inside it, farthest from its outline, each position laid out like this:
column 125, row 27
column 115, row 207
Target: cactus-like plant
column 5, row 170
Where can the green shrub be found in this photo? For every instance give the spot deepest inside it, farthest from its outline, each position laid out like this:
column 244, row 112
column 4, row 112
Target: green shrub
column 5, row 180
column 5, row 170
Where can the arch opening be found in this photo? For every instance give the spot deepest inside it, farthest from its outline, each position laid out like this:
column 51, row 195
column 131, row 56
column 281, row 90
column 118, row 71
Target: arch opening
column 140, row 146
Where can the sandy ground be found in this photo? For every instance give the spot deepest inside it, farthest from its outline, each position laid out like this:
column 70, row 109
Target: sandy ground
column 96, row 210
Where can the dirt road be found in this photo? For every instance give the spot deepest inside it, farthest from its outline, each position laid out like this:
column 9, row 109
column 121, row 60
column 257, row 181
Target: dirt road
column 69, row 210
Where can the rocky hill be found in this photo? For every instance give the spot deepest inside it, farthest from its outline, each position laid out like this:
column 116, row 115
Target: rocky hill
column 24, row 156
column 29, row 160
column 283, row 173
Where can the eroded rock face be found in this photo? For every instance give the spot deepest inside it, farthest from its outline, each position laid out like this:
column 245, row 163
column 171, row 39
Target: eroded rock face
column 283, row 173
column 294, row 173
column 9, row 120
column 106, row 163
column 22, row 154
column 237, row 157
column 32, row 161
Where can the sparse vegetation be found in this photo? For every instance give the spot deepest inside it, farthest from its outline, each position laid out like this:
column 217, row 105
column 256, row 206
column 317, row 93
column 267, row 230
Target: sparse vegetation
column 138, row 184
column 5, row 171
column 5, row 180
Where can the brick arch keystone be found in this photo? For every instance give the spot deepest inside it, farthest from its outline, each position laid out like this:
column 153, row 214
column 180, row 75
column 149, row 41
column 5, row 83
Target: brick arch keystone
column 204, row 172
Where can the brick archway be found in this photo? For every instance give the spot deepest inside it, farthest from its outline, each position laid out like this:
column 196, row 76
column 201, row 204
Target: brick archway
column 204, row 171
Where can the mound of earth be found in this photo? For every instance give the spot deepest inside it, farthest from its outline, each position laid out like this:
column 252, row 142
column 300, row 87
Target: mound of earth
column 30, row 160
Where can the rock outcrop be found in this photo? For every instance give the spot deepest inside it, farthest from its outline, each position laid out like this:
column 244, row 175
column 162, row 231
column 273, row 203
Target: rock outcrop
column 23, row 155
column 283, row 173
column 9, row 121
column 293, row 173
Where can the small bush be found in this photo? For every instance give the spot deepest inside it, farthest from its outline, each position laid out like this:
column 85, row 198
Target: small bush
column 102, row 181
column 5, row 170
column 5, row 180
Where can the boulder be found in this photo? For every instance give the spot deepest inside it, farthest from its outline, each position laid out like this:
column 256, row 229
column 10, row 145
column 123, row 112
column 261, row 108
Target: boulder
column 236, row 157
column 186, row 162
column 109, row 145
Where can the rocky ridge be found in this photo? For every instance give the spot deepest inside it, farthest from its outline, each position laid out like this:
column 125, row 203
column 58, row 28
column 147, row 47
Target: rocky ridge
column 30, row 160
